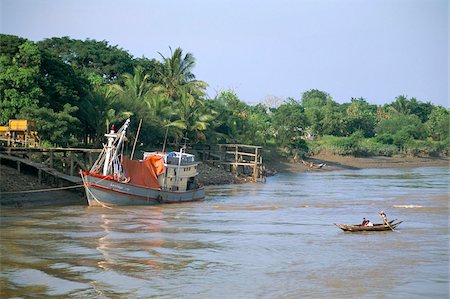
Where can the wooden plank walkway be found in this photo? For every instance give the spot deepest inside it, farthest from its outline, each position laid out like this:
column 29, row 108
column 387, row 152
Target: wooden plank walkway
column 41, row 168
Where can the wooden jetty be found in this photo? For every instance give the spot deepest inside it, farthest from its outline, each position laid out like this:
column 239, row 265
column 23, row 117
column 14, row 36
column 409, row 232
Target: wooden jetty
column 57, row 166
column 60, row 166
column 237, row 158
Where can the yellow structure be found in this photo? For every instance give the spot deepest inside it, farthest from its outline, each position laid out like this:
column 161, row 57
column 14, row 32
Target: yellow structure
column 20, row 132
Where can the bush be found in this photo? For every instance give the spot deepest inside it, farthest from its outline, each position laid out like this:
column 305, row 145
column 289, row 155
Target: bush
column 372, row 147
column 426, row 148
column 385, row 138
column 338, row 145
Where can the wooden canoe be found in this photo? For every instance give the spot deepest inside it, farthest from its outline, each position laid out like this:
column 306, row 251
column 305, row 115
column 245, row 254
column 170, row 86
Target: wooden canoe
column 312, row 165
column 375, row 227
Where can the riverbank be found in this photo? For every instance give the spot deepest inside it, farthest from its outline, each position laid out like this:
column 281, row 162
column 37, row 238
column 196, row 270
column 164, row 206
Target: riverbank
column 12, row 183
column 15, row 187
column 335, row 162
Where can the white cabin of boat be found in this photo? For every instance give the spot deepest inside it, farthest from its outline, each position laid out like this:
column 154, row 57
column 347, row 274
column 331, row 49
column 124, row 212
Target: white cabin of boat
column 180, row 170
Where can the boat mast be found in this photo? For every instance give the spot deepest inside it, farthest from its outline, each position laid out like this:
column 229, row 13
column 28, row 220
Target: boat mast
column 110, row 148
column 121, row 133
column 182, row 150
column 179, row 166
column 111, row 136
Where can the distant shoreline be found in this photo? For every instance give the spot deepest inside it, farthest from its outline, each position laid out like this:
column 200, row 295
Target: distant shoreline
column 336, row 162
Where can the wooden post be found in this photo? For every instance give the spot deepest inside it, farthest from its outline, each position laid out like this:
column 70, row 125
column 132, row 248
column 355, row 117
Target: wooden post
column 18, row 166
column 64, row 162
column 255, row 164
column 71, row 165
column 39, row 176
column 90, row 159
column 51, row 158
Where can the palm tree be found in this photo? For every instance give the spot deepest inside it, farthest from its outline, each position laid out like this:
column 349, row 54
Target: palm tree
column 177, row 74
column 136, row 90
column 401, row 105
column 192, row 117
column 107, row 107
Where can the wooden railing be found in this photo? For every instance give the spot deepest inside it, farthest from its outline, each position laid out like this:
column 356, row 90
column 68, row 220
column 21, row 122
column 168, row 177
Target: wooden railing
column 66, row 160
column 237, row 158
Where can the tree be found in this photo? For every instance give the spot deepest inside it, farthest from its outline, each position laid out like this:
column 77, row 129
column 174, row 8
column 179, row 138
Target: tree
column 438, row 124
column 19, row 76
column 177, row 78
column 333, row 119
column 59, row 128
column 402, row 125
column 422, row 110
column 61, row 85
column 289, row 122
column 192, row 117
column 313, row 102
column 90, row 56
column 136, row 90
column 401, row 105
column 151, row 67
column 232, row 116
column 105, row 102
column 259, row 125
column 361, row 116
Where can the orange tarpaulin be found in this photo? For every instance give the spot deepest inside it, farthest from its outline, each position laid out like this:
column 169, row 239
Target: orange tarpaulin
column 144, row 173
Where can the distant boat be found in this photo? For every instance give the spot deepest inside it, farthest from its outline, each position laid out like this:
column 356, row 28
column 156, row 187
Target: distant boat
column 376, row 227
column 161, row 177
column 312, row 165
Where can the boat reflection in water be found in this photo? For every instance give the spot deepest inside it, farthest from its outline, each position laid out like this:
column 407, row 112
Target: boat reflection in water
column 138, row 255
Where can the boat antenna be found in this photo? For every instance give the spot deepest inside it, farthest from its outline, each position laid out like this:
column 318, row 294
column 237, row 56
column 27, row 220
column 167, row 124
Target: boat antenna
column 185, row 140
column 135, row 139
column 165, row 139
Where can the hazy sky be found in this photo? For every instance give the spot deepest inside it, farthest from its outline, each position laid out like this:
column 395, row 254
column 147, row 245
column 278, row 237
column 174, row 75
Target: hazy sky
column 376, row 49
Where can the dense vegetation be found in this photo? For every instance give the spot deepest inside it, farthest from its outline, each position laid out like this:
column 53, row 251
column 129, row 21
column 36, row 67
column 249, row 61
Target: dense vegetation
column 76, row 89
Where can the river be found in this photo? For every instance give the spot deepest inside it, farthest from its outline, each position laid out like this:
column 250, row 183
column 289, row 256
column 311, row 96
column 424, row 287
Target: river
column 272, row 240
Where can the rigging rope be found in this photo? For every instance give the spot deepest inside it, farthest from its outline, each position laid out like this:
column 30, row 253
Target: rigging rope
column 43, row 190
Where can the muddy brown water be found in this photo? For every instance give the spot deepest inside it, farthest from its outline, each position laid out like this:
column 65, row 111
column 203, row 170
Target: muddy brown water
column 273, row 240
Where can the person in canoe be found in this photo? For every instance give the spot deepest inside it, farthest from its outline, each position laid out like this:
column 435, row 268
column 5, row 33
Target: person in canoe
column 364, row 222
column 383, row 216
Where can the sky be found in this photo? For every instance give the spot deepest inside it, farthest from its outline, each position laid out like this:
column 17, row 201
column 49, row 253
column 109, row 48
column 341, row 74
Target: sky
column 268, row 49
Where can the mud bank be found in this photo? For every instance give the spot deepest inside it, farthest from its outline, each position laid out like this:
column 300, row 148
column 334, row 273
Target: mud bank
column 335, row 162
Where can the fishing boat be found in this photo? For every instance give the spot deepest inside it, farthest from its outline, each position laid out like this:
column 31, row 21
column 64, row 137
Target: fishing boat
column 376, row 227
column 160, row 177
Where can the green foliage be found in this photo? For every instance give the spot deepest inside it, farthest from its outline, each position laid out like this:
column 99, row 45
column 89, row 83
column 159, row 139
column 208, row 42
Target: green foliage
column 259, row 126
column 427, row 148
column 59, row 128
column 19, row 76
column 90, row 56
column 355, row 145
column 438, row 124
column 289, row 122
column 231, row 121
column 347, row 145
column 176, row 76
column 409, row 126
column 361, row 117
column 313, row 102
column 192, row 118
column 373, row 147
column 76, row 89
